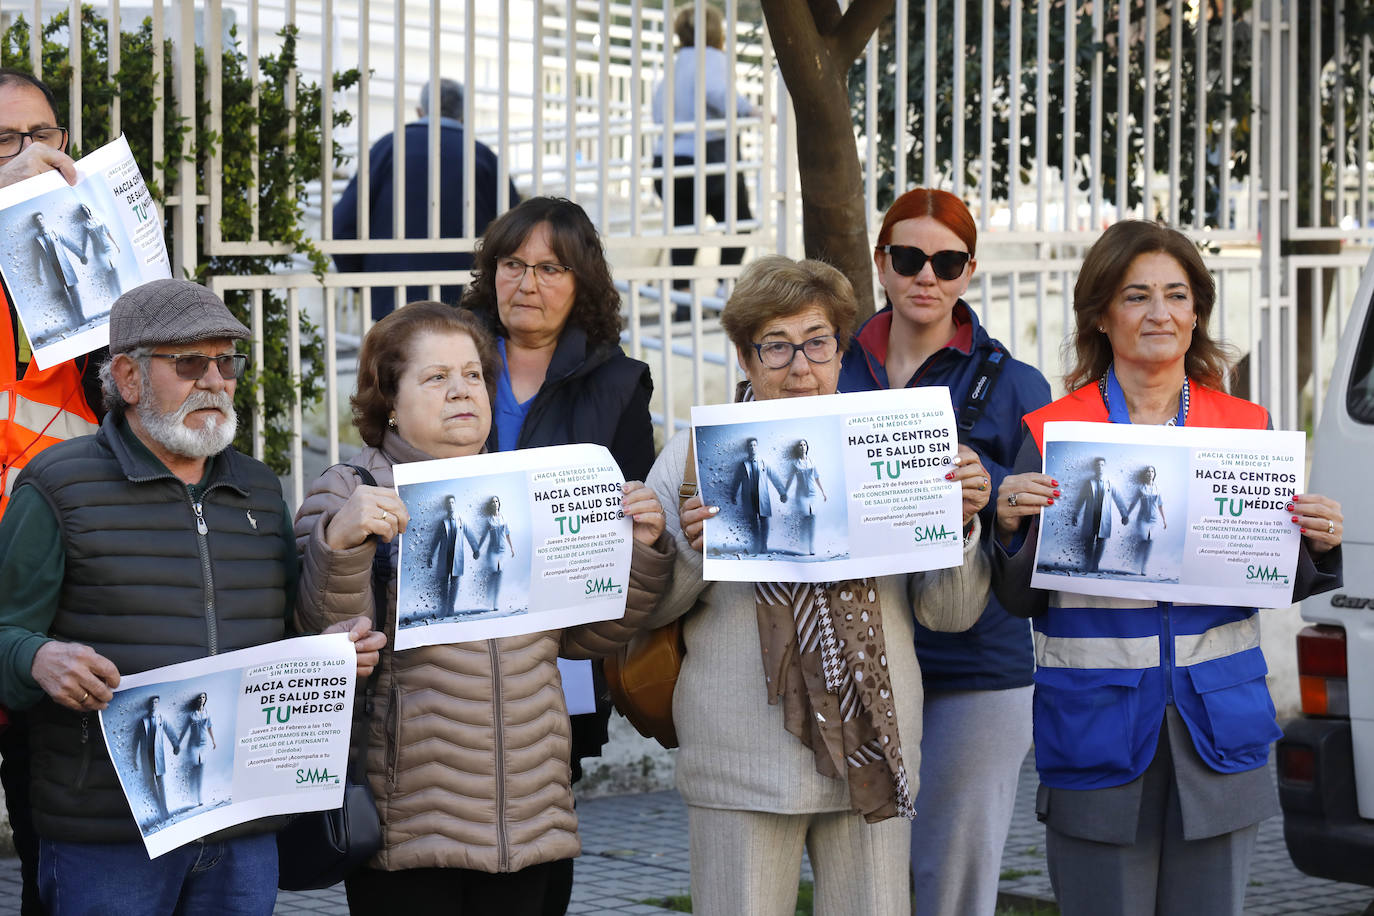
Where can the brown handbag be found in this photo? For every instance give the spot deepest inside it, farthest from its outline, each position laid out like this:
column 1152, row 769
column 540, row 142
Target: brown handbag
column 642, row 674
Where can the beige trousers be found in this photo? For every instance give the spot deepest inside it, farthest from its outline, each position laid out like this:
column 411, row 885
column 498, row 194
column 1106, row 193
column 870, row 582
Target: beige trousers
column 748, row 863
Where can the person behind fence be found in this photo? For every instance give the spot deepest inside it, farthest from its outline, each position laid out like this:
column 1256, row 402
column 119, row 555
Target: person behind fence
column 775, row 757
column 451, row 193
column 977, row 683
column 714, row 71
column 1153, row 722
column 542, row 286
column 468, row 747
column 149, row 543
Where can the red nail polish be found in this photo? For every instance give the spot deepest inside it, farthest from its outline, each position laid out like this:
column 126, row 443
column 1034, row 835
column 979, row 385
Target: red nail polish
column 1056, row 492
column 1050, row 502
column 1290, row 507
column 1054, row 483
column 1302, row 531
column 1295, row 518
column 949, row 476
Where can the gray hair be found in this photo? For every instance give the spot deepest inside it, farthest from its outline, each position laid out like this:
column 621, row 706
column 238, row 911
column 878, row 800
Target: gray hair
column 450, row 99
column 109, row 390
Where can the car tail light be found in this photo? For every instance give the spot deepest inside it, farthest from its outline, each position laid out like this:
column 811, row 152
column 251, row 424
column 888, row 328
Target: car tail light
column 1322, row 672
column 1297, row 764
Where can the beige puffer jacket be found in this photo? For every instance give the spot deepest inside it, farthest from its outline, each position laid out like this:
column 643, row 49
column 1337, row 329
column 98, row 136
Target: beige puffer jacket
column 453, row 788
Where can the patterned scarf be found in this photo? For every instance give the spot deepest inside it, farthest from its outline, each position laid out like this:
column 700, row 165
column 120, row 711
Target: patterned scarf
column 825, row 659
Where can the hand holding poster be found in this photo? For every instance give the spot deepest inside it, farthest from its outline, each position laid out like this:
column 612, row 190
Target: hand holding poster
column 207, row 744
column 69, row 251
column 825, row 488
column 510, row 543
column 1171, row 513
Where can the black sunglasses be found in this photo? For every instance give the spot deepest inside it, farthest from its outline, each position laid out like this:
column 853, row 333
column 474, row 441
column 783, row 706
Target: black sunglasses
column 908, row 261
column 193, row 366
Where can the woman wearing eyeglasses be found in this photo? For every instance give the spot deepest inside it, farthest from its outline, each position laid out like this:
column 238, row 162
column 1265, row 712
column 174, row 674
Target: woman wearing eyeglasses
column 542, row 285
column 772, row 761
column 978, row 683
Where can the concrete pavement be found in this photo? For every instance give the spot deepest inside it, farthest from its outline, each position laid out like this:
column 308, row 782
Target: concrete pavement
column 635, row 850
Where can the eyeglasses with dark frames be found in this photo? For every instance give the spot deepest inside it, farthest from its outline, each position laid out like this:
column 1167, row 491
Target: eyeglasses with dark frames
column 12, row 141
column 193, row 366
column 908, row 260
column 545, row 272
column 778, row 354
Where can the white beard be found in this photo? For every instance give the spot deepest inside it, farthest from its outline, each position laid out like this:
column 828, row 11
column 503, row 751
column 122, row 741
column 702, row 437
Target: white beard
column 168, row 429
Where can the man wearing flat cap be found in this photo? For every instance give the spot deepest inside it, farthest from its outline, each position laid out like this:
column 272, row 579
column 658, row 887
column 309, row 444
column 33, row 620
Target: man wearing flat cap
column 148, row 543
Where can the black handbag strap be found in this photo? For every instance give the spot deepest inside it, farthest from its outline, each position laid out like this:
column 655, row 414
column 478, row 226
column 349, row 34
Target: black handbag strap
column 381, row 578
column 981, row 389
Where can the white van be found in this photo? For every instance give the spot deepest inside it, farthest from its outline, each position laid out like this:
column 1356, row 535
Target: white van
column 1326, row 757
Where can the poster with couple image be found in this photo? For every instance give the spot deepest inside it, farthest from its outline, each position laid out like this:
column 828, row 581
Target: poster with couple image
column 818, row 489
column 510, row 543
column 68, row 252
column 1186, row 514
column 206, row 744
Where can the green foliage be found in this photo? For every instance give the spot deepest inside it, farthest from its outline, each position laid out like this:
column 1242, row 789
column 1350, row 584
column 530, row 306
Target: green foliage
column 1341, row 89
column 287, row 145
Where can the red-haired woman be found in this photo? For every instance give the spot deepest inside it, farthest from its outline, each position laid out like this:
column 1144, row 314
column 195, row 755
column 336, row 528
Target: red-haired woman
column 978, row 683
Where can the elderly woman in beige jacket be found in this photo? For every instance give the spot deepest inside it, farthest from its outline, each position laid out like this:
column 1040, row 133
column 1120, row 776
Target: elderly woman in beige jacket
column 771, row 760
column 468, row 744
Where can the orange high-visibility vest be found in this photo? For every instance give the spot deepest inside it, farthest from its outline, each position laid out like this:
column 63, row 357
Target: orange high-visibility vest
column 44, row 407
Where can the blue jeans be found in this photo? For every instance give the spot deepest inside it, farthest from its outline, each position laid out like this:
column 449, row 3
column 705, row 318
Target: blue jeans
column 237, row 877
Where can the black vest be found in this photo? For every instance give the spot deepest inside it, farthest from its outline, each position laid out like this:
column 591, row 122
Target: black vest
column 144, row 588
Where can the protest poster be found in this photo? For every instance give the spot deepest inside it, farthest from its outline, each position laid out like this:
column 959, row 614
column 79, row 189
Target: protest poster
column 67, row 252
column 1187, row 514
column 825, row 488
column 510, row 543
column 206, row 744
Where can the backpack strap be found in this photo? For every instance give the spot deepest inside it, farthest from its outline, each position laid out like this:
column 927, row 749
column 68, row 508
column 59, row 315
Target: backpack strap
column 981, row 389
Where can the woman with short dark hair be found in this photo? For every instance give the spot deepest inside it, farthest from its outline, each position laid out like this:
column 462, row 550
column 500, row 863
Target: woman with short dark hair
column 543, row 288
column 468, row 744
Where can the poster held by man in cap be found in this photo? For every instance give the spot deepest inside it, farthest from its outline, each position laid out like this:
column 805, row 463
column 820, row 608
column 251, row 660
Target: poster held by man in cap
column 67, row 252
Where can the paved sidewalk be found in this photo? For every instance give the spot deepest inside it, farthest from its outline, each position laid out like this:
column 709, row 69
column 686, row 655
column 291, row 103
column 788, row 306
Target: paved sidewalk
column 635, row 849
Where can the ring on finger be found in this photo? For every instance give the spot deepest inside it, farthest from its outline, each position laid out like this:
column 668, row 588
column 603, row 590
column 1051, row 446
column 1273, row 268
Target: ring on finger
column 84, row 697
column 1331, row 526
column 1011, row 500
column 983, row 484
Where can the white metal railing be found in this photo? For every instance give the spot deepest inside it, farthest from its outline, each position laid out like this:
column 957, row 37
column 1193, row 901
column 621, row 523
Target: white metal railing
column 562, row 93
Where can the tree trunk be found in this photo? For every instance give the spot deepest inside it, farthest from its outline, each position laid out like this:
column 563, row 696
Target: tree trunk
column 815, row 45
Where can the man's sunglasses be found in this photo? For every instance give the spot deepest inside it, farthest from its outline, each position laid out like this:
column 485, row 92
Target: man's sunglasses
column 908, row 261
column 193, row 366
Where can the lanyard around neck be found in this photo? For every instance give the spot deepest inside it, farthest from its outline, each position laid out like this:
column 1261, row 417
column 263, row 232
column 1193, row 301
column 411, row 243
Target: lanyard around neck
column 1115, row 399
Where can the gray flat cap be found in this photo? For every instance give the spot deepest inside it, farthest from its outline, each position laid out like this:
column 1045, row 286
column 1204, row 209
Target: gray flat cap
column 170, row 312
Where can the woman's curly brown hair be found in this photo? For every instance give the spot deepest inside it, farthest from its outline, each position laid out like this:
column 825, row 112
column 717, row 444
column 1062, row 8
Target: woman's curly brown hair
column 596, row 302
column 386, row 350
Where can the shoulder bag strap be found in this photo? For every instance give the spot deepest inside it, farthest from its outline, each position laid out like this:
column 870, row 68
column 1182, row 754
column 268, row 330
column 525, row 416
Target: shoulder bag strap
column 381, row 578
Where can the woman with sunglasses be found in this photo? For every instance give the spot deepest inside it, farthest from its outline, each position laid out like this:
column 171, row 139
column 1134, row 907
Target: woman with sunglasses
column 772, row 761
column 978, row 683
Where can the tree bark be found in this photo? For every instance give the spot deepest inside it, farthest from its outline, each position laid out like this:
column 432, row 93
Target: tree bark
column 815, row 45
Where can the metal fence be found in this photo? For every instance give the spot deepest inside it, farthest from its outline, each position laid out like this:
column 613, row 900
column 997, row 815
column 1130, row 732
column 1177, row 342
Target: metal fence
column 1244, row 122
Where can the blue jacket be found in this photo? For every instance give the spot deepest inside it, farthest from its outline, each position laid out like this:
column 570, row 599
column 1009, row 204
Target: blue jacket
column 1106, row 668
column 382, row 203
column 995, row 654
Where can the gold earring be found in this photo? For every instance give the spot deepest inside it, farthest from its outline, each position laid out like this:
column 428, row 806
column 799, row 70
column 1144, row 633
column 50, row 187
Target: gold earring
column 391, row 421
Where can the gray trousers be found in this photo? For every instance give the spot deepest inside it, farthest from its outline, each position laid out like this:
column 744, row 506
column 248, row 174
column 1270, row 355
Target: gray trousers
column 1161, row 872
column 972, row 747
